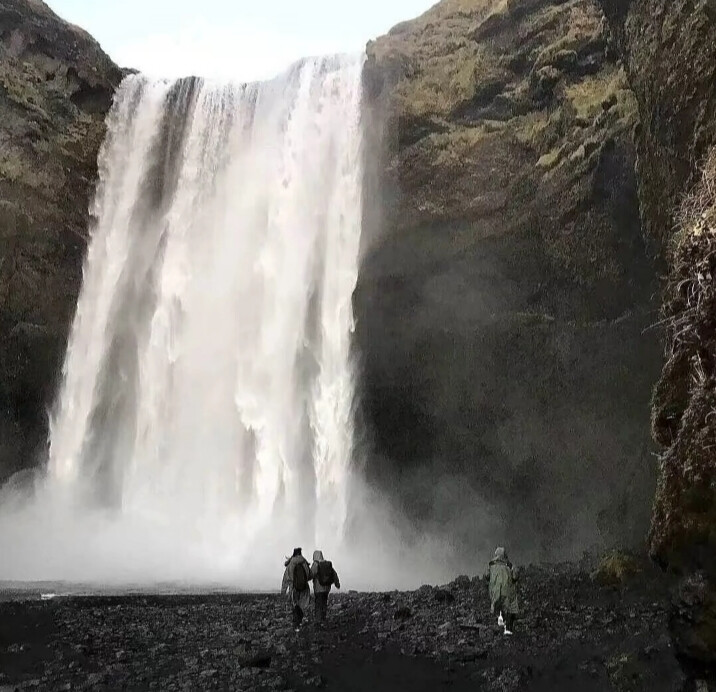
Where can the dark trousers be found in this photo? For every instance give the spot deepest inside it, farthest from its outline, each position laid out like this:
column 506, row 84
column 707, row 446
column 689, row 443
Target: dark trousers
column 297, row 616
column 509, row 618
column 321, row 606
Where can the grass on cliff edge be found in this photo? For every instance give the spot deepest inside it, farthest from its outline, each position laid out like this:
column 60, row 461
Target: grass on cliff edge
column 588, row 95
column 442, row 61
column 683, row 529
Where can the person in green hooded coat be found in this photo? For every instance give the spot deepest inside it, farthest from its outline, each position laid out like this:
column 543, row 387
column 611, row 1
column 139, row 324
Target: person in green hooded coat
column 503, row 594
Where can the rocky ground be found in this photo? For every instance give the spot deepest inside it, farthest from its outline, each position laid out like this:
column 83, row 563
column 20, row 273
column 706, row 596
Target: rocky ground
column 575, row 634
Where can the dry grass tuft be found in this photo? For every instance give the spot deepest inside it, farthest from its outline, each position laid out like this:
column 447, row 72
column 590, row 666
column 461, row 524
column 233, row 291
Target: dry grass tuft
column 441, row 63
column 616, row 569
column 691, row 292
column 588, row 95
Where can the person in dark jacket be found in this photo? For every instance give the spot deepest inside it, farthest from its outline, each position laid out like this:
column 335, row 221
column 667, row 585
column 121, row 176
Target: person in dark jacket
column 296, row 579
column 324, row 577
column 503, row 594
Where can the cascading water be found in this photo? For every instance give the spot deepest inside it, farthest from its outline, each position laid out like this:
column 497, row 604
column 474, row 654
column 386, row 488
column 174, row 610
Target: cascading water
column 206, row 405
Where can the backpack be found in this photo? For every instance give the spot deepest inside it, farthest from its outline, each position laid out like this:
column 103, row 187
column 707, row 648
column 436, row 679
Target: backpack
column 300, row 578
column 325, row 573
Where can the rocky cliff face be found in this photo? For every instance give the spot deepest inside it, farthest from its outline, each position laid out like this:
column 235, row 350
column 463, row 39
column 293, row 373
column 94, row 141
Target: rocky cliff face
column 670, row 53
column 56, row 86
column 669, row 49
column 504, row 293
column 503, row 309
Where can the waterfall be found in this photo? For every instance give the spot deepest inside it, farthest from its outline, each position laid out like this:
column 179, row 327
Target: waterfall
column 207, row 391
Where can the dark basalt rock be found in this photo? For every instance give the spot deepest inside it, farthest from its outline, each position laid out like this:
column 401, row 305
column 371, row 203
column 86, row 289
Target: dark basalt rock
column 571, row 634
column 504, row 303
column 257, row 660
column 56, row 85
column 444, row 596
column 693, row 621
column 402, row 613
column 669, row 49
column 462, row 582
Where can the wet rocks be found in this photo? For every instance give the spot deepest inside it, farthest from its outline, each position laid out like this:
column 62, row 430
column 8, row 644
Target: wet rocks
column 509, row 227
column 693, row 620
column 258, row 660
column 403, row 613
column 56, row 84
column 568, row 623
column 462, row 582
column 505, row 680
column 443, row 596
column 243, row 642
column 669, row 50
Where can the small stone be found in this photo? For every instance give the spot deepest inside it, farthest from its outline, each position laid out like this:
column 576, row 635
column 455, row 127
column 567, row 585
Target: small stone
column 403, row 613
column 444, row 596
column 471, row 656
column 259, row 660
column 462, row 582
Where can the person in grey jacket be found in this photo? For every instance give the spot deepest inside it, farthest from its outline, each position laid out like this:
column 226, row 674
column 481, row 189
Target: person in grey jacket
column 324, row 577
column 296, row 579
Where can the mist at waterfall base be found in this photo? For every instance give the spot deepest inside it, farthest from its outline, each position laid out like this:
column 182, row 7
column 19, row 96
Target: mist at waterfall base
column 204, row 425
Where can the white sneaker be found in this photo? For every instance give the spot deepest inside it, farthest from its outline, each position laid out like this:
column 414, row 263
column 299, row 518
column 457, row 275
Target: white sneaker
column 508, row 633
column 501, row 621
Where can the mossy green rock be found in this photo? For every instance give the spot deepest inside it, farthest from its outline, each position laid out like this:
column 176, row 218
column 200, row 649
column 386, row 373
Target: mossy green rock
column 693, row 622
column 616, row 568
column 506, row 290
column 56, row 86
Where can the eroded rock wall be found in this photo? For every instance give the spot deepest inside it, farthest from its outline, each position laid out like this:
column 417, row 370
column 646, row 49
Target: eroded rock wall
column 669, row 49
column 504, row 304
column 56, row 86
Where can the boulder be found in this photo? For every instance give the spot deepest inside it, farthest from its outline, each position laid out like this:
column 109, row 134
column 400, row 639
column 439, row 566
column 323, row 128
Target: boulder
column 444, row 596
column 616, row 569
column 693, row 621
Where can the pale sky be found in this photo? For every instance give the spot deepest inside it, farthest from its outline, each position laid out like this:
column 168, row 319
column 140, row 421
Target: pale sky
column 233, row 39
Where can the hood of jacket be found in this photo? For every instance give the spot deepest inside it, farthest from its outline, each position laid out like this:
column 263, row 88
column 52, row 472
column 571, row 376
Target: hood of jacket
column 296, row 560
column 317, row 556
column 500, row 557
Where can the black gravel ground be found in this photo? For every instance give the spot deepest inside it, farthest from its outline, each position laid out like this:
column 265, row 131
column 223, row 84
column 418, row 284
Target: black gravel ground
column 573, row 635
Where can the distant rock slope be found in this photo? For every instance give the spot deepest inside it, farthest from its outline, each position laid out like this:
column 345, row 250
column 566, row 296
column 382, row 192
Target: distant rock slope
column 56, row 86
column 505, row 296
